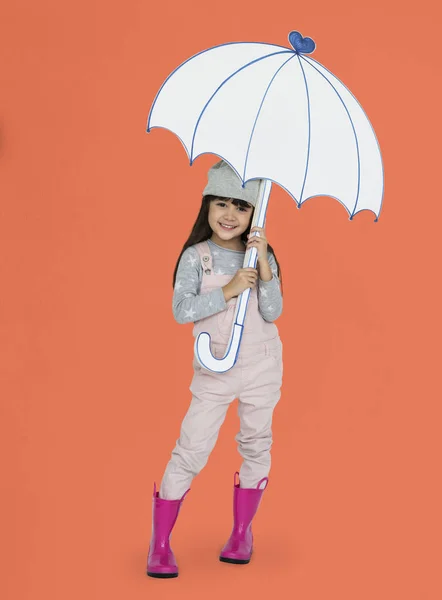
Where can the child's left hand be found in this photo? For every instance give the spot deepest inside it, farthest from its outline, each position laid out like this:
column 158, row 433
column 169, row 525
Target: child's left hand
column 260, row 243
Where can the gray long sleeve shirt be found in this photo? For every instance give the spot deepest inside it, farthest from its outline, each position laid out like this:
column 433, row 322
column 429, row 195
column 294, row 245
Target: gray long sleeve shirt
column 190, row 306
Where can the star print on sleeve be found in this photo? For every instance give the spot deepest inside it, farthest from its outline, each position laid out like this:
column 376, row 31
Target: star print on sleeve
column 189, row 305
column 263, row 292
column 270, row 297
column 189, row 314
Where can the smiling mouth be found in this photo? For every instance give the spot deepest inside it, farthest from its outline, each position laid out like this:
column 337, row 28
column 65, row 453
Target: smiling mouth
column 228, row 227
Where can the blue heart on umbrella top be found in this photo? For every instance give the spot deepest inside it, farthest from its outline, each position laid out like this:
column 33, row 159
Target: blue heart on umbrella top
column 301, row 44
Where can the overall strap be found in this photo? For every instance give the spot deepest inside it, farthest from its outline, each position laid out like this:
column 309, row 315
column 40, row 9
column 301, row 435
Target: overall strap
column 205, row 257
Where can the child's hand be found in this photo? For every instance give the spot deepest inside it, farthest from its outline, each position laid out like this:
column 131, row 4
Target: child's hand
column 260, row 243
column 243, row 279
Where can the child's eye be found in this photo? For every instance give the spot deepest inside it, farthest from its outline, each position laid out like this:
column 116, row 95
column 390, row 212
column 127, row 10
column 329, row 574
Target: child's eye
column 242, row 209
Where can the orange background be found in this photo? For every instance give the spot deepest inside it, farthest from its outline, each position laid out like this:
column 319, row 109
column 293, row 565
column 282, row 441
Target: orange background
column 95, row 372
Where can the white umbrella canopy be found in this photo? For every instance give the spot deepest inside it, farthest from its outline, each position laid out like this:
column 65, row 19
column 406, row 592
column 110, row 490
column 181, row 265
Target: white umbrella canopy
column 275, row 114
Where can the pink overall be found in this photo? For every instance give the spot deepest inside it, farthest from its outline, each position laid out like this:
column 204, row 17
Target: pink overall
column 255, row 380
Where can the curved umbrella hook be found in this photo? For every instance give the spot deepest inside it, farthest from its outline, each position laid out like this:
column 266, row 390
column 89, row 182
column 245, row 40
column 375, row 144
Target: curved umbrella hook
column 202, row 349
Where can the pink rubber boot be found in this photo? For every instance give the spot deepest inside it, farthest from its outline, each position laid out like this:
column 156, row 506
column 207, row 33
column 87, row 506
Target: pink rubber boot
column 161, row 560
column 239, row 547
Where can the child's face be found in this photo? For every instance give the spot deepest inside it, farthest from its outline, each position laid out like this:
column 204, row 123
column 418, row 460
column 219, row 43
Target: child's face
column 227, row 220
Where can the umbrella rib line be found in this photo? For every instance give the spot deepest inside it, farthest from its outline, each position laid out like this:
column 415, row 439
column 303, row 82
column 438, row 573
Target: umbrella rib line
column 259, row 112
column 353, row 127
column 371, row 126
column 309, row 131
column 195, row 56
column 222, row 84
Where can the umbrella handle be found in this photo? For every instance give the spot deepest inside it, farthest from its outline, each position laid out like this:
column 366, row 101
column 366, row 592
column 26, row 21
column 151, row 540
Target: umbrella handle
column 202, row 349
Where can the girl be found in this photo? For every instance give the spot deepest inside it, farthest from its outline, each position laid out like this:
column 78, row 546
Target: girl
column 208, row 278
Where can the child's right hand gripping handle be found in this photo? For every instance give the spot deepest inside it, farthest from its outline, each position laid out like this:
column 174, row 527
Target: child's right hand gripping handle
column 243, row 279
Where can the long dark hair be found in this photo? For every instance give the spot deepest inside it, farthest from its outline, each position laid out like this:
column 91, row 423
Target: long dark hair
column 201, row 231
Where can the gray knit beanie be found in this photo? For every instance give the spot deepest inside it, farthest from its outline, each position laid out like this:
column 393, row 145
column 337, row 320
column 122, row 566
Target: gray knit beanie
column 224, row 182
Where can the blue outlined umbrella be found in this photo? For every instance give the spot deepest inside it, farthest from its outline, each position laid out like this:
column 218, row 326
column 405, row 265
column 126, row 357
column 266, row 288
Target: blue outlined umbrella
column 272, row 113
